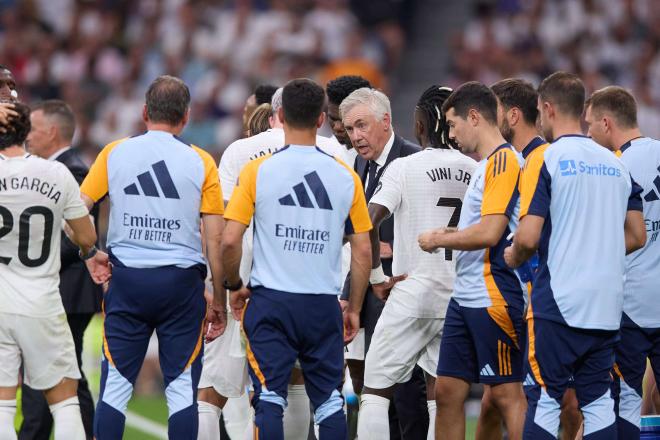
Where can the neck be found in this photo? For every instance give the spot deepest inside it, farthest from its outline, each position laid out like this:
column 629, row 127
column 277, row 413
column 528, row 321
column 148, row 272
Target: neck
column 562, row 127
column 489, row 139
column 297, row 136
column 56, row 147
column 13, row 151
column 160, row 126
column 523, row 136
column 277, row 123
column 625, row 136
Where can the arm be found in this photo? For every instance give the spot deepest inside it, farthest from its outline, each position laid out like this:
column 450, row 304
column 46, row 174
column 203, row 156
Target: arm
column 213, row 226
column 481, row 235
column 232, row 251
column 377, row 214
column 525, row 242
column 360, row 269
column 82, row 233
column 635, row 231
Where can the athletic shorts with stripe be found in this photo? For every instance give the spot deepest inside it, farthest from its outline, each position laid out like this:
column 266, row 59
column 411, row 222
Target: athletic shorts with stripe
column 637, row 344
column 557, row 352
column 169, row 300
column 481, row 344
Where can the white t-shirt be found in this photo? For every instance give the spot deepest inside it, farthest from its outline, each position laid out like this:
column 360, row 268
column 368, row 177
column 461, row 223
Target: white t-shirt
column 242, row 151
column 35, row 196
column 424, row 191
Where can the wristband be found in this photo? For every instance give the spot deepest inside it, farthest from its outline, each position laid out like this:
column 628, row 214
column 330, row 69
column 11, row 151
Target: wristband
column 89, row 254
column 377, row 276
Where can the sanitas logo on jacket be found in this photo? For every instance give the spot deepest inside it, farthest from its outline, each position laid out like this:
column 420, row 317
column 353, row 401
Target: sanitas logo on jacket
column 569, row 168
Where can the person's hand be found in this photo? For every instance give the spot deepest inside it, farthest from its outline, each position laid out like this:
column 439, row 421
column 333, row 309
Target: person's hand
column 343, row 304
column 216, row 316
column 99, row 267
column 7, row 112
column 237, row 300
column 382, row 290
column 351, row 325
column 510, row 258
column 428, row 241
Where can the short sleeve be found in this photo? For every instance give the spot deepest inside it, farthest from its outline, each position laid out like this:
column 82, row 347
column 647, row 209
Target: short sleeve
column 211, row 200
column 74, row 207
column 389, row 192
column 635, row 199
column 95, row 185
column 241, row 204
column 358, row 216
column 535, row 184
column 501, row 183
column 228, row 171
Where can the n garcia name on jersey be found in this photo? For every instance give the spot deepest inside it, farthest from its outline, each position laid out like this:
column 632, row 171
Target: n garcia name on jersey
column 299, row 239
column 148, row 228
column 31, row 184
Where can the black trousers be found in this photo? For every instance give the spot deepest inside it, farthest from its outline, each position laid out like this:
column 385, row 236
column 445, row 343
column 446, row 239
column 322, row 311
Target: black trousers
column 37, row 420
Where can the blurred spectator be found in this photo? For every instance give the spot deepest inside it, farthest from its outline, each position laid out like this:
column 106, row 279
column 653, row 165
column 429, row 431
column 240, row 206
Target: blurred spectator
column 100, row 55
column 604, row 41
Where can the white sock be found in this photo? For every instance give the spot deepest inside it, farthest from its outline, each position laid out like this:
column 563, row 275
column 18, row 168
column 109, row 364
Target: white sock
column 432, row 411
column 67, row 419
column 209, row 421
column 297, row 414
column 237, row 416
column 7, row 415
column 373, row 422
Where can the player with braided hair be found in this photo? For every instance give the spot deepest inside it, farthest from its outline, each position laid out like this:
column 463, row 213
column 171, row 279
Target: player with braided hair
column 431, row 129
column 422, row 191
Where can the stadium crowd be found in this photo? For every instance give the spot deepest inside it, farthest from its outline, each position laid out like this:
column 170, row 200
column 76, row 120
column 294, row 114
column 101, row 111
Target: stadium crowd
column 604, row 41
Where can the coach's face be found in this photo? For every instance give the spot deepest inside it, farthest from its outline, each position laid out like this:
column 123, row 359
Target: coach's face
column 367, row 133
column 462, row 130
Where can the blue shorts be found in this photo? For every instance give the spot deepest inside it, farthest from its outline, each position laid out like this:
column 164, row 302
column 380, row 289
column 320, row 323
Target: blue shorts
column 281, row 327
column 557, row 353
column 481, row 344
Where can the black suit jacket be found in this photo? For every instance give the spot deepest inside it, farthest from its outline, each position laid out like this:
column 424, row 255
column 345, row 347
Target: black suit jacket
column 400, row 148
column 79, row 293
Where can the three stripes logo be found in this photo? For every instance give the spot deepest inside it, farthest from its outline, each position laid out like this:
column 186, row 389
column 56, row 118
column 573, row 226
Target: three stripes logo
column 504, row 356
column 315, row 187
column 148, row 186
column 499, row 163
column 487, row 371
column 653, row 195
column 529, row 381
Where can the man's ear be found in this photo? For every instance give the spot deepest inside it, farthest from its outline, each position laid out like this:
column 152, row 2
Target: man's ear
column 321, row 120
column 419, row 130
column 549, row 109
column 387, row 121
column 186, row 117
column 473, row 117
column 145, row 117
column 280, row 114
column 513, row 115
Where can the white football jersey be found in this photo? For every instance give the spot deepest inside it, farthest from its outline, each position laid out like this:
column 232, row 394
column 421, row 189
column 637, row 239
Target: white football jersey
column 242, row 151
column 424, row 191
column 35, row 196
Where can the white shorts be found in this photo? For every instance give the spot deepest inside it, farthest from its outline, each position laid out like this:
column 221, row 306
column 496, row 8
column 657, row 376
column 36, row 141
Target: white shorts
column 43, row 345
column 355, row 349
column 399, row 342
column 225, row 365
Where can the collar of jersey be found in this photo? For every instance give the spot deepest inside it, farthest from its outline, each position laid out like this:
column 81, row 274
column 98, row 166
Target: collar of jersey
column 576, row 135
column 504, row 145
column 537, row 141
column 628, row 144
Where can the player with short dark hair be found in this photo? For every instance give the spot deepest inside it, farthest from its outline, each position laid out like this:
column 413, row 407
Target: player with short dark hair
column 611, row 114
column 337, row 90
column 575, row 309
column 300, row 218
column 481, row 335
column 263, row 93
column 36, row 197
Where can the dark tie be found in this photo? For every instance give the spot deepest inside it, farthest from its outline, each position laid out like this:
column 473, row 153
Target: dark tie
column 371, row 185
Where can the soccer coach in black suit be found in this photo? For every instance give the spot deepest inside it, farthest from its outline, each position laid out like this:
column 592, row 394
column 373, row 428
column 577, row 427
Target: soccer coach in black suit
column 50, row 137
column 366, row 115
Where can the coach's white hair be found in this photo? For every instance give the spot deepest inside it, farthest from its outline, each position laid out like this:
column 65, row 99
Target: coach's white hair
column 276, row 100
column 377, row 102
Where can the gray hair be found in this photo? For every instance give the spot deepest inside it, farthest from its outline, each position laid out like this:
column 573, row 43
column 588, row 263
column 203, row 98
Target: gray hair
column 377, row 102
column 276, row 100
